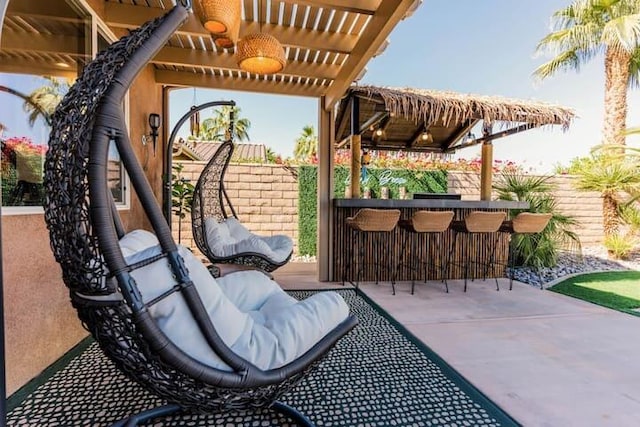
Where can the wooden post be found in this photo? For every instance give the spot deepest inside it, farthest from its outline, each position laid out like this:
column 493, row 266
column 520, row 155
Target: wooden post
column 355, row 166
column 326, row 139
column 486, row 171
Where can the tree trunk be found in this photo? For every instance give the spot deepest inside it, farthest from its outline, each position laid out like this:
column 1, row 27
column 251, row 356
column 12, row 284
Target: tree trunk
column 609, row 215
column 616, row 69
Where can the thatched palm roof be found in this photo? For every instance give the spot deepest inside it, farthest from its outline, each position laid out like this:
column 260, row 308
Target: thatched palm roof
column 447, row 115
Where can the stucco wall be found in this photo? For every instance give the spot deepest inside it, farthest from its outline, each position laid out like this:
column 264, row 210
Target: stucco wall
column 585, row 207
column 265, row 198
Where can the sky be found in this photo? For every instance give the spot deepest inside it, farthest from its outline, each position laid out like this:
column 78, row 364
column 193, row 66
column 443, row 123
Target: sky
column 469, row 46
column 12, row 112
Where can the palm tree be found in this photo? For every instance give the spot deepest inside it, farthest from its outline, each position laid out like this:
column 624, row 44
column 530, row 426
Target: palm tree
column 215, row 128
column 306, row 144
column 612, row 174
column 46, row 98
column 35, row 109
column 586, row 28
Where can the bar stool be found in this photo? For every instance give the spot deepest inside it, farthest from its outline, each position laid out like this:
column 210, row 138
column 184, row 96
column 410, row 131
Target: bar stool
column 523, row 223
column 476, row 223
column 370, row 223
column 425, row 222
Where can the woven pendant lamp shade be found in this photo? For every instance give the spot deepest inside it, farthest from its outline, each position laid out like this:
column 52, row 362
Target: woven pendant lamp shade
column 260, row 53
column 219, row 16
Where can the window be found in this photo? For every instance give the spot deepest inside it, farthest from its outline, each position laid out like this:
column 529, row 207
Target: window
column 43, row 51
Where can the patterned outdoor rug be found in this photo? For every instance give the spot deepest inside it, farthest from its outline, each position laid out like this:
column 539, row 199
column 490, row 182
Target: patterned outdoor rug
column 378, row 375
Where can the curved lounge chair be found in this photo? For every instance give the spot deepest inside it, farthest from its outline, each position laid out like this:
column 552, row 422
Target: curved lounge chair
column 125, row 286
column 216, row 229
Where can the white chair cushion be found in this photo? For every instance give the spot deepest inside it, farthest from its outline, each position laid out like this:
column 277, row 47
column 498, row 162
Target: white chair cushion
column 136, row 241
column 252, row 314
column 230, row 237
column 217, row 235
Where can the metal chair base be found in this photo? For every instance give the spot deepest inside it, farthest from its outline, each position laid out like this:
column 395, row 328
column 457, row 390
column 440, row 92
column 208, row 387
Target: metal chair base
column 170, row 409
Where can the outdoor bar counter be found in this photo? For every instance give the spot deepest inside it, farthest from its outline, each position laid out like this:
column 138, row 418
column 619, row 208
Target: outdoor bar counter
column 433, row 246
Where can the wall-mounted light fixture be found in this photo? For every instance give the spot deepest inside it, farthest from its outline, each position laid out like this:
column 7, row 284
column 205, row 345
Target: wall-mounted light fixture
column 154, row 124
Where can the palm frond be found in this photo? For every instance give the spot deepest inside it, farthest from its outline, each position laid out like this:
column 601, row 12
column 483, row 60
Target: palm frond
column 568, row 60
column 622, row 33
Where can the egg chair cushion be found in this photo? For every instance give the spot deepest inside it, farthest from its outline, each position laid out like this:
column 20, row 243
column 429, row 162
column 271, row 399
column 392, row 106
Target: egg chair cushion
column 229, row 237
column 254, row 317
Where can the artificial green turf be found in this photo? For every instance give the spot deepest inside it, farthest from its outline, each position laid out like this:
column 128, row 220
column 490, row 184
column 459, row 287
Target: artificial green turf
column 619, row 290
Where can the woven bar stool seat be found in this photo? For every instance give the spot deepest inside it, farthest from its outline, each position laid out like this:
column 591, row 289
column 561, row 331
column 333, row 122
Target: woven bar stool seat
column 523, row 223
column 370, row 223
column 476, row 222
column 425, row 222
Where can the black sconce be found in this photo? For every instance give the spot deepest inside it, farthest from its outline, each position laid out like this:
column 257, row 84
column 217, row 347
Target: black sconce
column 154, row 124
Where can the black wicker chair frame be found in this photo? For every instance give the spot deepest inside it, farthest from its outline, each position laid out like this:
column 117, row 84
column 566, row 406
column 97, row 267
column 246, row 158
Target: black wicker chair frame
column 85, row 230
column 168, row 164
column 210, row 199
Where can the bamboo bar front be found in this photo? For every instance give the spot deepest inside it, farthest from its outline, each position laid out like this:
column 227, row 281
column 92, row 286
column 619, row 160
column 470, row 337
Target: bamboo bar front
column 433, row 246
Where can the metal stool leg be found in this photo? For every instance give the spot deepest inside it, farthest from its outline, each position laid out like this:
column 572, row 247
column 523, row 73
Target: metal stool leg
column 511, row 261
column 443, row 273
column 492, row 261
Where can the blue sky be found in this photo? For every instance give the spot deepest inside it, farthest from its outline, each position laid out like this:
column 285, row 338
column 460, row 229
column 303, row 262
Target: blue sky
column 482, row 47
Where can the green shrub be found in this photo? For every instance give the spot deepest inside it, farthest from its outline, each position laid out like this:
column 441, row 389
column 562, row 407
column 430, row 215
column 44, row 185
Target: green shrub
column 619, row 246
column 307, row 209
column 541, row 249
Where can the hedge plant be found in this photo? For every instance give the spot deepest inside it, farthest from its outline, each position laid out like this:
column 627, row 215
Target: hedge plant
column 414, row 181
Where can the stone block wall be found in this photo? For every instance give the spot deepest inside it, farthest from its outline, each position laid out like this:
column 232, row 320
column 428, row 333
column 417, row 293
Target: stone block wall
column 586, row 207
column 266, row 200
column 264, row 196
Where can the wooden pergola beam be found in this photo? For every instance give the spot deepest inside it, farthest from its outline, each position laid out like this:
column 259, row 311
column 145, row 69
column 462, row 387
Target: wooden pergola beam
column 43, row 8
column 182, row 57
column 45, row 43
column 377, row 118
column 388, row 147
column 188, row 79
column 129, row 16
column 342, row 119
column 362, row 7
column 460, row 133
column 489, row 138
column 37, row 67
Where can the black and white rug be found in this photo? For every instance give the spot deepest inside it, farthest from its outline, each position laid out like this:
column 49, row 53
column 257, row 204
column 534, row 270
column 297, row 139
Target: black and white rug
column 378, row 375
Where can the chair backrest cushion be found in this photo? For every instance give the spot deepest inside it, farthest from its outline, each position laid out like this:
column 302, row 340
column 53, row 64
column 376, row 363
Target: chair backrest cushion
column 431, row 221
column 217, row 235
column 136, row 241
column 530, row 222
column 484, row 222
column 368, row 219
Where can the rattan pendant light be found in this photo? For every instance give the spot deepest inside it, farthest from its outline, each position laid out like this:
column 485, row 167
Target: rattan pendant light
column 260, row 53
column 219, row 16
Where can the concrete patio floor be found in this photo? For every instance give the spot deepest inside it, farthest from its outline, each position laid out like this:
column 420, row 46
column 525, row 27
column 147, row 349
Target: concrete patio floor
column 546, row 359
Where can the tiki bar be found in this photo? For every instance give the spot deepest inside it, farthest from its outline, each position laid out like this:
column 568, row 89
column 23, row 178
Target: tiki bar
column 386, row 233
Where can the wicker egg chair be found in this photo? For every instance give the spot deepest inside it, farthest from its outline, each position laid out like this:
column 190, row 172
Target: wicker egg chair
column 210, row 201
column 85, row 233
